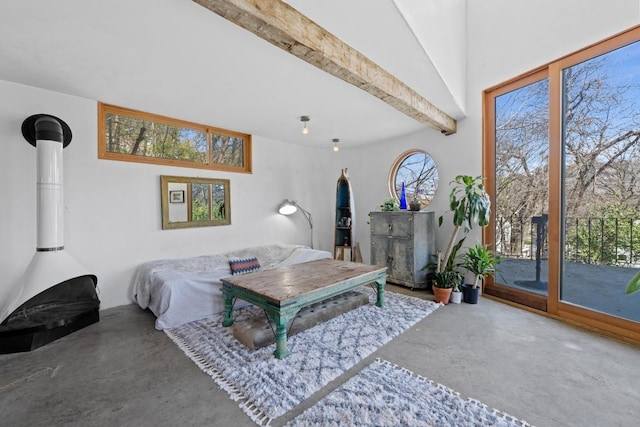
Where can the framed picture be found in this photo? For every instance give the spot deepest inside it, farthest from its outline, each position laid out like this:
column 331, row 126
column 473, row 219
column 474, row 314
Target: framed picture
column 176, row 196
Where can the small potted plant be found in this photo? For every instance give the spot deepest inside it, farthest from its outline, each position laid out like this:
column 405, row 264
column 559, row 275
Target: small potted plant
column 390, row 205
column 415, row 204
column 443, row 284
column 481, row 262
column 456, row 295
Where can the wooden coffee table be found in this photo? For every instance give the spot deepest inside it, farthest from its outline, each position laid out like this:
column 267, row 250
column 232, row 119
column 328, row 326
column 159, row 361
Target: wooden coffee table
column 284, row 291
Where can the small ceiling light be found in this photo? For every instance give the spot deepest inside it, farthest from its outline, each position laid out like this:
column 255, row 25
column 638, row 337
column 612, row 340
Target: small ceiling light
column 305, row 119
column 335, row 144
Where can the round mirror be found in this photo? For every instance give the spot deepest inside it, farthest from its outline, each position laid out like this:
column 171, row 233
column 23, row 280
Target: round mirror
column 418, row 171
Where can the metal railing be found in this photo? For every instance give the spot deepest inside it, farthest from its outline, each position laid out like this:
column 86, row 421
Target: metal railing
column 591, row 240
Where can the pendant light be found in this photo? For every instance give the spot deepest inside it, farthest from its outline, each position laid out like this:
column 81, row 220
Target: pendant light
column 304, row 120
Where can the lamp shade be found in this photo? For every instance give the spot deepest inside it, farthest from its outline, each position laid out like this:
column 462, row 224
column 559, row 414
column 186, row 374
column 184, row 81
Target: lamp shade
column 287, row 208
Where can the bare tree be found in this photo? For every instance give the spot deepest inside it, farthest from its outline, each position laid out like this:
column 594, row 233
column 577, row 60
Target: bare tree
column 601, row 146
column 522, row 128
column 602, row 131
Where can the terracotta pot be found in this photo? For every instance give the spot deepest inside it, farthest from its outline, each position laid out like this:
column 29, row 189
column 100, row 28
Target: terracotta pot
column 442, row 294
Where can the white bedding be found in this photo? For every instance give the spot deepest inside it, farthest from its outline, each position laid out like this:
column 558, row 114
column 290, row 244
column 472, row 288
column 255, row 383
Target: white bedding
column 178, row 291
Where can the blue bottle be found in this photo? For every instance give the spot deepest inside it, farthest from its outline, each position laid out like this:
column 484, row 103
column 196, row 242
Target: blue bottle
column 403, row 199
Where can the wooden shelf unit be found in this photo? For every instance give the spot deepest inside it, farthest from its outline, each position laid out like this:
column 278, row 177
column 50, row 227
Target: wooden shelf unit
column 344, row 230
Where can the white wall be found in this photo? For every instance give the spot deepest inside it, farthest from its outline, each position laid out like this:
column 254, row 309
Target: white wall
column 441, row 29
column 509, row 37
column 112, row 209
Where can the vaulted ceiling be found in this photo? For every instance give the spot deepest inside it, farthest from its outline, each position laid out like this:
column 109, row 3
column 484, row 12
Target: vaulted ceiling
column 177, row 58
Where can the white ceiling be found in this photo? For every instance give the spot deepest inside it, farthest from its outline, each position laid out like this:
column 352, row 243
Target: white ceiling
column 176, row 58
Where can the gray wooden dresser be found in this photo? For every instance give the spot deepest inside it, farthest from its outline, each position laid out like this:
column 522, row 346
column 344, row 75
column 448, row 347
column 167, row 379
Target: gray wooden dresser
column 404, row 242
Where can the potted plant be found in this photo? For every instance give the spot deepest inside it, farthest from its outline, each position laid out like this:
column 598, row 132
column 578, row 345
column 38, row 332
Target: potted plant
column 481, row 262
column 415, row 204
column 456, row 295
column 443, row 284
column 390, row 205
column 470, row 204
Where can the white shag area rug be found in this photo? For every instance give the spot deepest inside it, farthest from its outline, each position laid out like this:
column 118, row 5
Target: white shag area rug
column 385, row 395
column 267, row 387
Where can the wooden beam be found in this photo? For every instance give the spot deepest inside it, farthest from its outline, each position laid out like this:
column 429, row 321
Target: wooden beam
column 281, row 25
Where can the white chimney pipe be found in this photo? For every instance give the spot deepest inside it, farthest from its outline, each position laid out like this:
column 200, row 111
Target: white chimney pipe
column 49, row 185
column 50, row 265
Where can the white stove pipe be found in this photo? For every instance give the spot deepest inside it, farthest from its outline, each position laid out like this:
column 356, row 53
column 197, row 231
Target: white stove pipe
column 49, row 140
column 50, row 265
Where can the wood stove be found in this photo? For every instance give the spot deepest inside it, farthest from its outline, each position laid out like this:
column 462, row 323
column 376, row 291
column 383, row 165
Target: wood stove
column 56, row 295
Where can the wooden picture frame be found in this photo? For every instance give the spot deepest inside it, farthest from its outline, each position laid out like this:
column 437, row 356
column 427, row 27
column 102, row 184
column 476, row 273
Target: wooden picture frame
column 176, row 196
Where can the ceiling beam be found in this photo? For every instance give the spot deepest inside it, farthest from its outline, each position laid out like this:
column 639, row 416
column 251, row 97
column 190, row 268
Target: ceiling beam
column 281, row 25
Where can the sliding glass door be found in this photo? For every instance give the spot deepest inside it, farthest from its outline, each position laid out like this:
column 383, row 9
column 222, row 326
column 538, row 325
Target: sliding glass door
column 562, row 161
column 601, row 181
column 521, row 201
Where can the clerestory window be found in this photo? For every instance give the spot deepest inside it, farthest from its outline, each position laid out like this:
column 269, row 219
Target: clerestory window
column 136, row 136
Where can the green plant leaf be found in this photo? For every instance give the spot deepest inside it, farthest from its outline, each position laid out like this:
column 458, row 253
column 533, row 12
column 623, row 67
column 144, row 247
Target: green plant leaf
column 468, row 203
column 454, row 253
column 634, row 284
column 459, row 216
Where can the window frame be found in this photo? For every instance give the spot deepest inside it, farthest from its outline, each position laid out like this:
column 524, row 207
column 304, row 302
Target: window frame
column 167, row 224
column 104, row 109
column 395, row 167
column 551, row 306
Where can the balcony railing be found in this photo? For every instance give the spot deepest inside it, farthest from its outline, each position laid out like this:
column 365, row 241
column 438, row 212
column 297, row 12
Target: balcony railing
column 592, row 240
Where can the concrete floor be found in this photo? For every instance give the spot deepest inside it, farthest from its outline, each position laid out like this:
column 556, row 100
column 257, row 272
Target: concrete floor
column 122, row 372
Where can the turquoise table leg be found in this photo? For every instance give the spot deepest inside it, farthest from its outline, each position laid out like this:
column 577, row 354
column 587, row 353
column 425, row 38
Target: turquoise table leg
column 281, row 341
column 282, row 321
column 380, row 285
column 228, row 308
